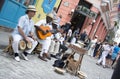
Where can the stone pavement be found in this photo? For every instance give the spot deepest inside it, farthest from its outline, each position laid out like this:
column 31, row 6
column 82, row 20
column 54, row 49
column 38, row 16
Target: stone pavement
column 38, row 69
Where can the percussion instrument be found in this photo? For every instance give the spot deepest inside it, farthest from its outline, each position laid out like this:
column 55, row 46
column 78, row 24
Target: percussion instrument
column 29, row 45
column 22, row 45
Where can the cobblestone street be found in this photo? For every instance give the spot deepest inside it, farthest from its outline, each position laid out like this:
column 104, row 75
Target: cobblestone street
column 38, row 69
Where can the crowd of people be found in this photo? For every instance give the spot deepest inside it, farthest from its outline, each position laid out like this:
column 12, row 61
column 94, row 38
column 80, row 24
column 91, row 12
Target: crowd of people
column 54, row 44
column 106, row 53
column 37, row 34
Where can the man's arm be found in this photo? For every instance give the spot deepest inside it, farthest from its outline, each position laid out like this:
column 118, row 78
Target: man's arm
column 22, row 34
column 32, row 35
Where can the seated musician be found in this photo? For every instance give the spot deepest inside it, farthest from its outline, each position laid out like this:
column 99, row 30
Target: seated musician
column 55, row 43
column 63, row 48
column 44, row 35
column 24, row 30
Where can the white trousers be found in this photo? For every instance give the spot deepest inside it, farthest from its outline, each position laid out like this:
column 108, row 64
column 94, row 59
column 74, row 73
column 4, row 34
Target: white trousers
column 16, row 40
column 54, row 47
column 103, row 58
column 45, row 45
column 90, row 51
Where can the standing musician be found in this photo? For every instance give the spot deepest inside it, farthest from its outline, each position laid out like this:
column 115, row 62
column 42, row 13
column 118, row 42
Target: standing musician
column 24, row 30
column 43, row 28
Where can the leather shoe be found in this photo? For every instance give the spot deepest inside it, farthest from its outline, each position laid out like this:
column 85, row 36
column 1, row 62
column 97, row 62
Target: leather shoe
column 47, row 56
column 42, row 58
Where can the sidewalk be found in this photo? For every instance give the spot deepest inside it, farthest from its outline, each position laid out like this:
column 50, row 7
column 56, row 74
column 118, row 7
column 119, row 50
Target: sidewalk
column 38, row 69
column 4, row 41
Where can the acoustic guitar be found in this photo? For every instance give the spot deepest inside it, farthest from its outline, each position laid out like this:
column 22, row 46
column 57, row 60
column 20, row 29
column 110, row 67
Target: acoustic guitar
column 41, row 35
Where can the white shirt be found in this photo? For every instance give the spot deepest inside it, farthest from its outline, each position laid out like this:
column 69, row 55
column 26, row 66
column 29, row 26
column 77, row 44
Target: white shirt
column 26, row 24
column 43, row 22
column 73, row 41
column 58, row 35
column 106, row 49
column 69, row 32
column 61, row 40
column 93, row 42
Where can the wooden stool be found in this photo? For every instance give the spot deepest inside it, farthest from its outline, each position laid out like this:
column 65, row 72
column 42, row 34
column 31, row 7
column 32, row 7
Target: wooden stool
column 9, row 48
column 37, row 49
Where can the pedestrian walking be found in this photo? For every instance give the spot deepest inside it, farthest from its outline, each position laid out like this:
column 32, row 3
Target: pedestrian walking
column 102, row 59
column 91, row 49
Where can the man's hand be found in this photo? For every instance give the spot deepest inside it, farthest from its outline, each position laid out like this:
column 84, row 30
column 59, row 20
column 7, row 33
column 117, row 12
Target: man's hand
column 27, row 39
column 34, row 38
column 44, row 32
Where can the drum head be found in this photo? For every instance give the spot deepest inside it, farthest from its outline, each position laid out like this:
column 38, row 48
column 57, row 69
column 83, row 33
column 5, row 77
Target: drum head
column 22, row 45
column 29, row 45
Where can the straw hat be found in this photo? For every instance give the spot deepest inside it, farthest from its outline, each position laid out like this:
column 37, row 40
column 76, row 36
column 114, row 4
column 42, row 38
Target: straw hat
column 50, row 15
column 31, row 8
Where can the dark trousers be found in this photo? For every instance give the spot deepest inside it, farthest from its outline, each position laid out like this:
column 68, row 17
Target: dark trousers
column 95, row 52
column 116, row 73
column 62, row 49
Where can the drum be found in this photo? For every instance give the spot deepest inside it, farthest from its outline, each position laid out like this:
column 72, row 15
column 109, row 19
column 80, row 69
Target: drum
column 22, row 45
column 29, row 45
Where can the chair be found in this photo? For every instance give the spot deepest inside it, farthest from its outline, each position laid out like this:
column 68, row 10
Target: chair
column 73, row 66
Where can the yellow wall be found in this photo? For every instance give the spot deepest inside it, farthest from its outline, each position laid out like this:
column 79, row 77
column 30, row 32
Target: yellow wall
column 57, row 3
column 40, row 11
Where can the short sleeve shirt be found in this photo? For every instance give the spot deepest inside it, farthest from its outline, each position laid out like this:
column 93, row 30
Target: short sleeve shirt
column 26, row 24
column 69, row 33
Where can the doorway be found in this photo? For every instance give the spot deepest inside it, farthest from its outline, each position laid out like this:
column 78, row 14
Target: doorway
column 78, row 18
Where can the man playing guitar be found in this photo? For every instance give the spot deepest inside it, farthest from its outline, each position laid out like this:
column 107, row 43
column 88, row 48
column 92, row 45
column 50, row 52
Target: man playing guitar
column 47, row 23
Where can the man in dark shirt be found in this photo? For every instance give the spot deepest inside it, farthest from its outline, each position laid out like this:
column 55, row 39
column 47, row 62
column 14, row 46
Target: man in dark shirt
column 83, row 36
column 97, row 47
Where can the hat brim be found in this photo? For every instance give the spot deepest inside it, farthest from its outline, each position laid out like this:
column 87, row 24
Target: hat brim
column 32, row 10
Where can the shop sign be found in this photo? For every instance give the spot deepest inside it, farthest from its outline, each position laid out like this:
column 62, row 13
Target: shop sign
column 87, row 12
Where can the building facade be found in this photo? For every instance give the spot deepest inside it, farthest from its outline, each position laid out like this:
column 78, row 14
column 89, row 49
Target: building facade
column 100, row 25
column 65, row 9
column 43, row 7
column 11, row 10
